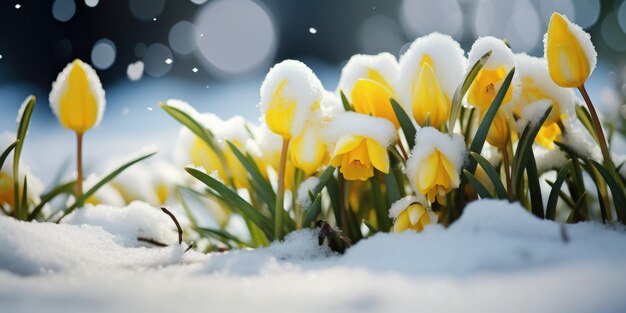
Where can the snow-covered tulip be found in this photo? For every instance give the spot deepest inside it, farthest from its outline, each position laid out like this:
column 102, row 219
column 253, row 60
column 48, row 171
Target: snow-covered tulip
column 368, row 81
column 435, row 163
column 77, row 100
column 308, row 150
column 289, row 93
column 430, row 71
column 488, row 81
column 359, row 144
column 570, row 54
column 411, row 213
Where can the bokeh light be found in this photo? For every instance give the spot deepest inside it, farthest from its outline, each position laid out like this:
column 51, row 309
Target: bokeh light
column 103, row 54
column 134, row 71
column 238, row 36
column 154, row 60
column 183, row 37
column 378, row 34
column 63, row 10
column 514, row 20
column 421, row 17
column 146, row 10
column 612, row 33
column 92, row 3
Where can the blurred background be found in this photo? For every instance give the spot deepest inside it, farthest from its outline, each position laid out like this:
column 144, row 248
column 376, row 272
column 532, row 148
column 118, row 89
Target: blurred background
column 215, row 53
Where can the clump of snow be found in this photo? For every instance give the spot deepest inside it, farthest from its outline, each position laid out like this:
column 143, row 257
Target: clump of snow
column 427, row 140
column 331, row 105
column 352, row 123
column 577, row 138
column 533, row 112
column 584, row 39
column 448, row 63
column 134, row 71
column 301, row 86
column 501, row 55
column 401, row 205
column 360, row 65
column 548, row 159
column 60, row 85
column 137, row 220
column 308, row 185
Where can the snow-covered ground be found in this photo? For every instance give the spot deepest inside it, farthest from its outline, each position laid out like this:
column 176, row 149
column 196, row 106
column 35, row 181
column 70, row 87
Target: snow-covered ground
column 496, row 258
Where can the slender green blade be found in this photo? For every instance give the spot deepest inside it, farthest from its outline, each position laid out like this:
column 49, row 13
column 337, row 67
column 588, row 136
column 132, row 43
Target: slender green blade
column 405, row 123
column 536, row 202
column 492, row 174
column 525, row 148
column 79, row 202
column 333, row 192
column 556, row 188
column 243, row 207
column 47, row 197
column 6, row 153
column 264, row 187
column 478, row 186
column 27, row 111
column 379, row 204
column 457, row 99
column 24, row 202
column 585, row 118
column 314, row 211
column 393, row 190
column 618, row 194
column 371, row 227
column 346, row 104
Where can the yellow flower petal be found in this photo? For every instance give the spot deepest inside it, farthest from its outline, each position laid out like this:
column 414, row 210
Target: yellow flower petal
column 78, row 107
column 547, row 135
column 429, row 100
column 567, row 61
column 485, row 87
column 308, row 151
column 6, row 190
column 371, row 97
column 402, row 222
column 378, row 155
column 280, row 113
column 202, row 155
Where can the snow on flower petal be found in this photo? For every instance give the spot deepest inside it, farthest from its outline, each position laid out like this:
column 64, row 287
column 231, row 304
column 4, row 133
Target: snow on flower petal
column 430, row 71
column 435, row 163
column 411, row 213
column 288, row 94
column 77, row 97
column 381, row 68
column 569, row 51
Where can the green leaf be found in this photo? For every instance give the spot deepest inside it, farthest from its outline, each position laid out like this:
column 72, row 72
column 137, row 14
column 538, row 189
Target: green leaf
column 585, row 118
column 28, row 107
column 379, row 204
column 457, row 99
column 371, row 227
column 47, row 197
column 393, row 190
column 478, row 186
column 202, row 132
column 405, row 123
column 79, row 202
column 243, row 207
column 346, row 104
column 603, row 197
column 192, row 219
column 24, row 202
column 314, row 210
column 618, row 194
column 536, row 202
column 6, row 153
column 333, row 192
column 525, row 148
column 492, row 174
column 556, row 188
column 264, row 187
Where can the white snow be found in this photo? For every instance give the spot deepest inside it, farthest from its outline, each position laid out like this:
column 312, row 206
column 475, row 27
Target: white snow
column 403, row 203
column 360, row 65
column 427, row 140
column 448, row 63
column 496, row 258
column 584, row 39
column 301, row 86
column 306, row 186
column 60, row 85
column 134, row 71
column 501, row 55
column 352, row 123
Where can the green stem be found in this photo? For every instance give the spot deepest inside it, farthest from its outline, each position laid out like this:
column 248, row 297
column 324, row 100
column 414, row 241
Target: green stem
column 280, row 195
column 507, row 171
column 79, row 165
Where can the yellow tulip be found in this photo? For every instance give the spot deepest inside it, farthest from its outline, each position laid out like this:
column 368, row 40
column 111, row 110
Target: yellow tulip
column 500, row 131
column 308, row 151
column 548, row 134
column 437, row 176
column 77, row 98
column 357, row 156
column 569, row 52
column 203, row 155
column 435, row 162
column 372, row 98
column 429, row 101
column 485, row 87
column 381, row 68
column 289, row 93
column 414, row 217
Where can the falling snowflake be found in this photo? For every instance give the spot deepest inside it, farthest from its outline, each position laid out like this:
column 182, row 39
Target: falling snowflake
column 149, row 109
column 195, row 70
column 17, row 6
column 168, row 61
column 312, row 30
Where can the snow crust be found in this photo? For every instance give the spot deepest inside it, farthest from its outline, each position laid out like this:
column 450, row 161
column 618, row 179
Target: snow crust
column 358, row 66
column 497, row 257
column 352, row 123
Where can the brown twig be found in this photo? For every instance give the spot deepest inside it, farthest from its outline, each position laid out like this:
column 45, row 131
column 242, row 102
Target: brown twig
column 152, row 241
column 180, row 230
